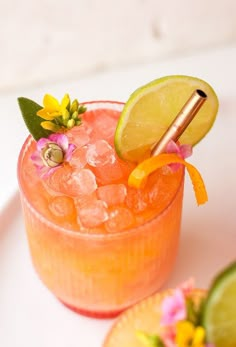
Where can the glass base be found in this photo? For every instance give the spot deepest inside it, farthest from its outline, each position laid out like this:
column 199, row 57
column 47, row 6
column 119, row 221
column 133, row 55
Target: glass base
column 93, row 314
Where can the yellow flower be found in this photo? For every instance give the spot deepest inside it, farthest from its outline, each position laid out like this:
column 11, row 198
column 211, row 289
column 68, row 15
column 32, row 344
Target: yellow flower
column 199, row 337
column 53, row 108
column 187, row 335
column 50, row 126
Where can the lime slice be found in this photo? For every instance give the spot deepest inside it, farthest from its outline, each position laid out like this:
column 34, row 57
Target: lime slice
column 219, row 313
column 151, row 109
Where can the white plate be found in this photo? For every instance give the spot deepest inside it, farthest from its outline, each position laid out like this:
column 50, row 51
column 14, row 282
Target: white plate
column 29, row 313
column 30, row 316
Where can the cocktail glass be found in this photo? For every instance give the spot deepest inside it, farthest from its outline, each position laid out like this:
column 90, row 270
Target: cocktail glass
column 101, row 270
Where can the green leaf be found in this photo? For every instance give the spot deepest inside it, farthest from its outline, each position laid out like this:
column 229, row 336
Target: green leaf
column 194, row 311
column 149, row 340
column 29, row 108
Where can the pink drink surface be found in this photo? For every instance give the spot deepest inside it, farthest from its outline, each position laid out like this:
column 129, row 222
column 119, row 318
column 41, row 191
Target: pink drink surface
column 90, row 193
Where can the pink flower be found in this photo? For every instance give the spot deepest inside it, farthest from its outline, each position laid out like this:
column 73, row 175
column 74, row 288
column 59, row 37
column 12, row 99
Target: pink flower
column 51, row 153
column 169, row 343
column 187, row 286
column 168, row 337
column 184, row 151
column 173, row 308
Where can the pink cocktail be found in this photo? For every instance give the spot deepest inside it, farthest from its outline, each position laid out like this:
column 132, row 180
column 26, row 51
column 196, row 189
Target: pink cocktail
column 97, row 244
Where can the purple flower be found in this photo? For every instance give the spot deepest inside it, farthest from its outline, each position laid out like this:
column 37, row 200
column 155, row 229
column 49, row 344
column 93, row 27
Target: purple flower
column 173, row 308
column 184, row 151
column 51, row 153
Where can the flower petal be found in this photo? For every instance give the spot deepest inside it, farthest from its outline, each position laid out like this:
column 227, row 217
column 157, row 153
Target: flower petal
column 173, row 308
column 187, row 286
column 50, row 171
column 42, row 170
column 199, row 336
column 172, row 147
column 65, row 101
column 36, row 158
column 186, row 151
column 42, row 143
column 169, row 343
column 61, row 140
column 184, row 333
column 69, row 152
column 48, row 125
column 45, row 171
column 45, row 114
column 56, row 114
column 51, row 103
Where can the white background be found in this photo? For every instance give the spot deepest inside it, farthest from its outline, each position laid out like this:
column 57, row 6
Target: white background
column 105, row 50
column 56, row 40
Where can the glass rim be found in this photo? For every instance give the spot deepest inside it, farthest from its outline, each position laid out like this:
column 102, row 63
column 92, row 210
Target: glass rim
column 85, row 234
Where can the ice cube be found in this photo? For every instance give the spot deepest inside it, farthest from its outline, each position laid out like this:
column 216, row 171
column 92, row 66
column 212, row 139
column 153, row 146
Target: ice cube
column 89, row 117
column 71, row 181
column 84, row 200
column 63, row 207
column 78, row 159
column 108, row 173
column 136, row 200
column 158, row 187
column 104, row 125
column 93, row 214
column 78, row 136
column 100, row 153
column 56, row 181
column 81, row 182
column 120, row 218
column 86, row 127
column 40, row 201
column 112, row 194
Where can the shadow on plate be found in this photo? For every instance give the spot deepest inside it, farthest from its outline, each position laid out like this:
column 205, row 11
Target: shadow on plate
column 10, row 212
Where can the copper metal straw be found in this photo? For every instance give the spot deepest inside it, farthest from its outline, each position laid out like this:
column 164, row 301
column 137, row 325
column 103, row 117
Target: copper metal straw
column 182, row 120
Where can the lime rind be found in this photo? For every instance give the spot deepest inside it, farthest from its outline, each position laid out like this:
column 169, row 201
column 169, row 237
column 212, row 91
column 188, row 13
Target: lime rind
column 168, row 94
column 220, row 325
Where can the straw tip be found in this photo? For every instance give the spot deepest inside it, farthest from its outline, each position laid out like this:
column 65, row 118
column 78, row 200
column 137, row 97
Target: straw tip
column 201, row 93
